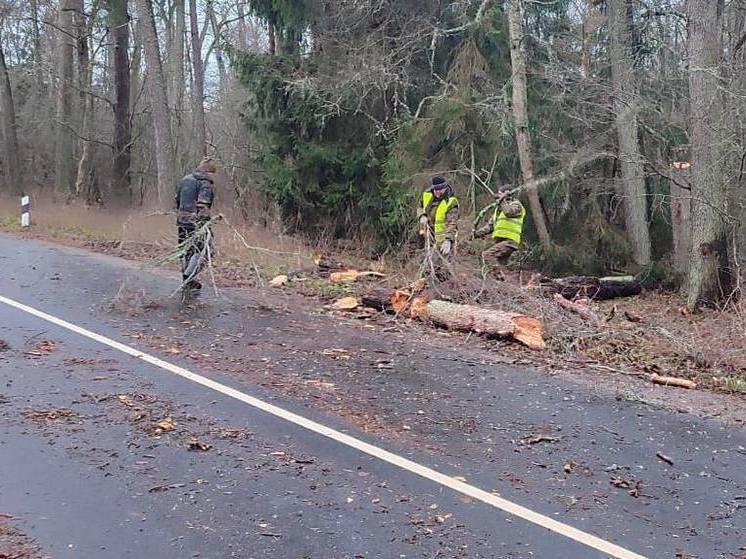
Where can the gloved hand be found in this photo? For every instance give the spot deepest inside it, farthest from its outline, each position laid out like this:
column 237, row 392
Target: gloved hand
column 445, row 247
column 422, row 227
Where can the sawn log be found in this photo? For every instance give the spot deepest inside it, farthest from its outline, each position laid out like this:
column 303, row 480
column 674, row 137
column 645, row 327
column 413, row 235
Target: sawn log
column 386, row 300
column 592, row 287
column 491, row 322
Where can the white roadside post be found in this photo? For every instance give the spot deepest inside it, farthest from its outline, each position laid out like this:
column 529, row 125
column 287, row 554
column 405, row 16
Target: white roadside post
column 25, row 211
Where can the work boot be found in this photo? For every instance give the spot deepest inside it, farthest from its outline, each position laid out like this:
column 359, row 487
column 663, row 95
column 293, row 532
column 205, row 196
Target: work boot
column 193, row 284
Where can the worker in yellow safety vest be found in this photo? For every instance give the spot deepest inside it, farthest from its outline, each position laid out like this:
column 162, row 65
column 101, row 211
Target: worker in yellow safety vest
column 438, row 216
column 506, row 228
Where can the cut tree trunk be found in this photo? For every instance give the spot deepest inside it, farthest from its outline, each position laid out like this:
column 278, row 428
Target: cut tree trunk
column 468, row 318
column 681, row 203
column 673, row 381
column 386, row 300
column 520, row 117
column 592, row 287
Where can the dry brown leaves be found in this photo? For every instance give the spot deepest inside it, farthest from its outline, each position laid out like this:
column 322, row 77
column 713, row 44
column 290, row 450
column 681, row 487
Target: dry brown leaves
column 42, row 348
column 52, row 415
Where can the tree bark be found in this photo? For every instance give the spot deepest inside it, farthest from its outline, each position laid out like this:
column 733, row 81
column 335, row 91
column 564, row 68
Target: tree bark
column 83, row 54
column 387, row 300
column 176, row 59
column 272, row 33
column 242, row 32
column 38, row 69
column 84, row 181
column 708, row 265
column 12, row 165
column 625, row 103
column 491, row 322
column 681, row 203
column 520, row 118
column 159, row 105
column 119, row 26
column 592, row 287
column 64, row 171
column 582, row 310
column 198, row 89
column 219, row 58
column 84, row 178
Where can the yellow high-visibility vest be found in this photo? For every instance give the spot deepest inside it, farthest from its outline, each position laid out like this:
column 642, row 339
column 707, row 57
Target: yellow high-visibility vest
column 444, row 206
column 509, row 227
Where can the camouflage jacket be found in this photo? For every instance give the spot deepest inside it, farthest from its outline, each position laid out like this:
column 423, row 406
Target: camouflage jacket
column 510, row 207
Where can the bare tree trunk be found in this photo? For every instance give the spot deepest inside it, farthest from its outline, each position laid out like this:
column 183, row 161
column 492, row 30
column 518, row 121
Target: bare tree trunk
column 625, row 102
column 80, row 22
column 137, row 124
column 272, row 31
column 158, row 104
column 136, row 84
column 218, row 46
column 242, row 34
column 709, row 252
column 38, row 69
column 520, row 118
column 64, row 171
column 84, row 178
column 84, row 182
column 12, row 166
column 198, row 89
column 119, row 26
column 176, row 60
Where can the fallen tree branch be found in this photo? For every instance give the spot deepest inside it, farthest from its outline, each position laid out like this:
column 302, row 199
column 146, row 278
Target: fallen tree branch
column 592, row 287
column 584, row 311
column 673, row 381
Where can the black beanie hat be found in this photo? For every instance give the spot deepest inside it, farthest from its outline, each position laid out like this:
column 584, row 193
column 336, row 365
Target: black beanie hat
column 439, row 182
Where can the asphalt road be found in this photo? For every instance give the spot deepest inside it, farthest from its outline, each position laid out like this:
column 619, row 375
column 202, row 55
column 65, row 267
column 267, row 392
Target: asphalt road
column 86, row 471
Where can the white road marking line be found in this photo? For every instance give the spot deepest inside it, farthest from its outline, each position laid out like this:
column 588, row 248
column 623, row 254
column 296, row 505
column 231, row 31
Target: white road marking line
column 579, row 536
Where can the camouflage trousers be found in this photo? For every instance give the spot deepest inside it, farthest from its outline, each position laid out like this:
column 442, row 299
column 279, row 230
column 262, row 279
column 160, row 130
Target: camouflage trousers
column 498, row 255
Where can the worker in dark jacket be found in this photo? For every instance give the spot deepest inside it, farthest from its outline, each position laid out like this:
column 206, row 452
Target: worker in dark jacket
column 194, row 197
